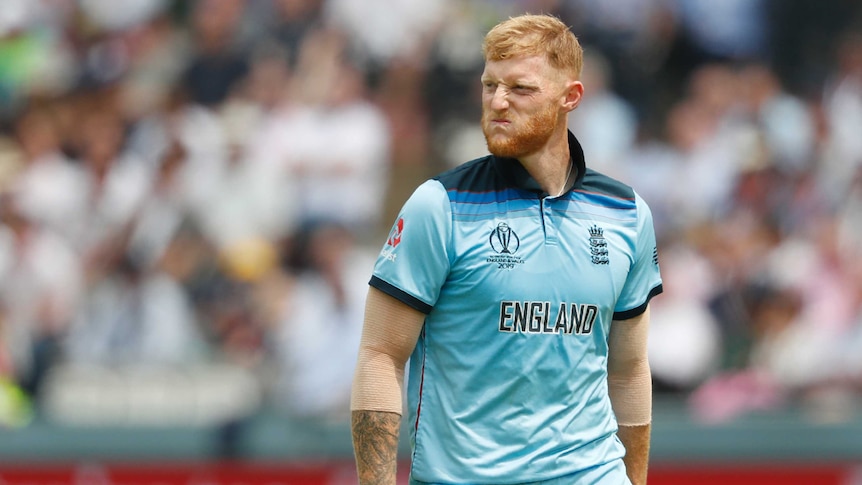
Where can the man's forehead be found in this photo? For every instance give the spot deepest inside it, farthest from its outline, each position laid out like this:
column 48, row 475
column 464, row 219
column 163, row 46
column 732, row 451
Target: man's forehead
column 533, row 67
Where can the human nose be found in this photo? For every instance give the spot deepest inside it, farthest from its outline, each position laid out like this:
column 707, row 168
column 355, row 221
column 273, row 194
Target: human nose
column 499, row 99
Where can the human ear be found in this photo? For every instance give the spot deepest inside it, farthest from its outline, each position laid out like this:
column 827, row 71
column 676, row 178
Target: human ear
column 573, row 94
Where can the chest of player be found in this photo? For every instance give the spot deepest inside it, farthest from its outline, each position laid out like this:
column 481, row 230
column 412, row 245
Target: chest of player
column 547, row 251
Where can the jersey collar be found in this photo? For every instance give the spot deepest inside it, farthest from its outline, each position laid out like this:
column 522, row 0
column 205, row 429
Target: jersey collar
column 515, row 173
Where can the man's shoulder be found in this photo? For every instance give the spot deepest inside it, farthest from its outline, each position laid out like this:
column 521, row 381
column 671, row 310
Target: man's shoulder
column 474, row 175
column 599, row 183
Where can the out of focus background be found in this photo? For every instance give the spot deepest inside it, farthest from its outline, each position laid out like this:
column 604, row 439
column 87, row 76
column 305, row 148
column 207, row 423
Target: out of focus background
column 192, row 195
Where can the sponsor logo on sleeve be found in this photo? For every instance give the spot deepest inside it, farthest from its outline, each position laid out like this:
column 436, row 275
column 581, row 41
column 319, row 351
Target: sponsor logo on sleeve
column 393, row 240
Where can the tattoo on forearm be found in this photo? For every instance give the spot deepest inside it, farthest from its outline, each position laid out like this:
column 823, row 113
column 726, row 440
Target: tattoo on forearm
column 375, row 444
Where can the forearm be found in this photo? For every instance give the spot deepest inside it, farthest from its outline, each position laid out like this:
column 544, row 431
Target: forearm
column 630, row 391
column 375, row 444
column 636, row 439
column 374, row 422
column 388, row 338
column 631, row 398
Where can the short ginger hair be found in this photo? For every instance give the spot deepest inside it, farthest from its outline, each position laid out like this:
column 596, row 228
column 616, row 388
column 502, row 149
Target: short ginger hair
column 529, row 35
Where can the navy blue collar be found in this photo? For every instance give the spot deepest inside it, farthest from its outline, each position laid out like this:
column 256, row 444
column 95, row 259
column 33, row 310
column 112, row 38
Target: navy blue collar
column 515, row 173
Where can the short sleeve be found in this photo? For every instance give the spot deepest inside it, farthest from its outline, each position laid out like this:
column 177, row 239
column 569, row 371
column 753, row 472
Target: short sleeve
column 415, row 259
column 644, row 278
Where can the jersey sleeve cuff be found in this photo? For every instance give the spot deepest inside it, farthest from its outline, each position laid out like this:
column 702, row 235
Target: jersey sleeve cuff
column 625, row 315
column 400, row 295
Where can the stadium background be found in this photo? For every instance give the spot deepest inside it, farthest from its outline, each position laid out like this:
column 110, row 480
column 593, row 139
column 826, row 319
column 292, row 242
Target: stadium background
column 193, row 193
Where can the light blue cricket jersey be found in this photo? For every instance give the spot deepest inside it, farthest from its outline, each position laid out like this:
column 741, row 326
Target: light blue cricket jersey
column 508, row 381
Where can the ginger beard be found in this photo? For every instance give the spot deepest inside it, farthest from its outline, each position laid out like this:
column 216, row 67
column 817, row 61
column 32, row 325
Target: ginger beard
column 517, row 142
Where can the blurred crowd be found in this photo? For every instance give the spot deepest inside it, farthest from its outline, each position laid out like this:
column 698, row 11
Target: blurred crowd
column 209, row 181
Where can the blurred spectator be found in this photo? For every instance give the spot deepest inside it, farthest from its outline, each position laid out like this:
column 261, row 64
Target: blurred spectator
column 35, row 59
column 382, row 31
column 455, row 63
column 803, row 41
column 335, row 142
column 606, row 123
column 685, row 342
column 158, row 55
column 113, row 16
column 289, row 22
column 41, row 282
column 727, row 30
column 322, row 316
column 849, row 231
column 191, row 132
column 636, row 38
column 784, row 121
column 403, row 103
column 218, row 63
column 238, row 324
column 842, row 105
column 51, row 189
column 713, row 148
column 160, row 216
column 249, row 192
column 118, row 182
column 135, row 316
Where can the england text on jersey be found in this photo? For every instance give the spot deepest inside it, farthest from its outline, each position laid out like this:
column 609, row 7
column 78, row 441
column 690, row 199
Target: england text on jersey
column 537, row 317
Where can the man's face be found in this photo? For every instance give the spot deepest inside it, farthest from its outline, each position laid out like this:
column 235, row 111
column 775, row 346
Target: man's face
column 521, row 105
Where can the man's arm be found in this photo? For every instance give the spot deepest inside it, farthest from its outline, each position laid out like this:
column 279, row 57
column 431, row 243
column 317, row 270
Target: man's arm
column 375, row 444
column 630, row 388
column 636, row 439
column 389, row 335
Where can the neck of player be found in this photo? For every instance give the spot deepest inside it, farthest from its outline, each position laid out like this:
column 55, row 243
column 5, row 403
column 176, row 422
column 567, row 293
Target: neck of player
column 566, row 180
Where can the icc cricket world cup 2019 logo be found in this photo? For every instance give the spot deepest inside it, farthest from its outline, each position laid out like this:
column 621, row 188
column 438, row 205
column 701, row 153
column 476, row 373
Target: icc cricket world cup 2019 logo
column 505, row 243
column 504, row 240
